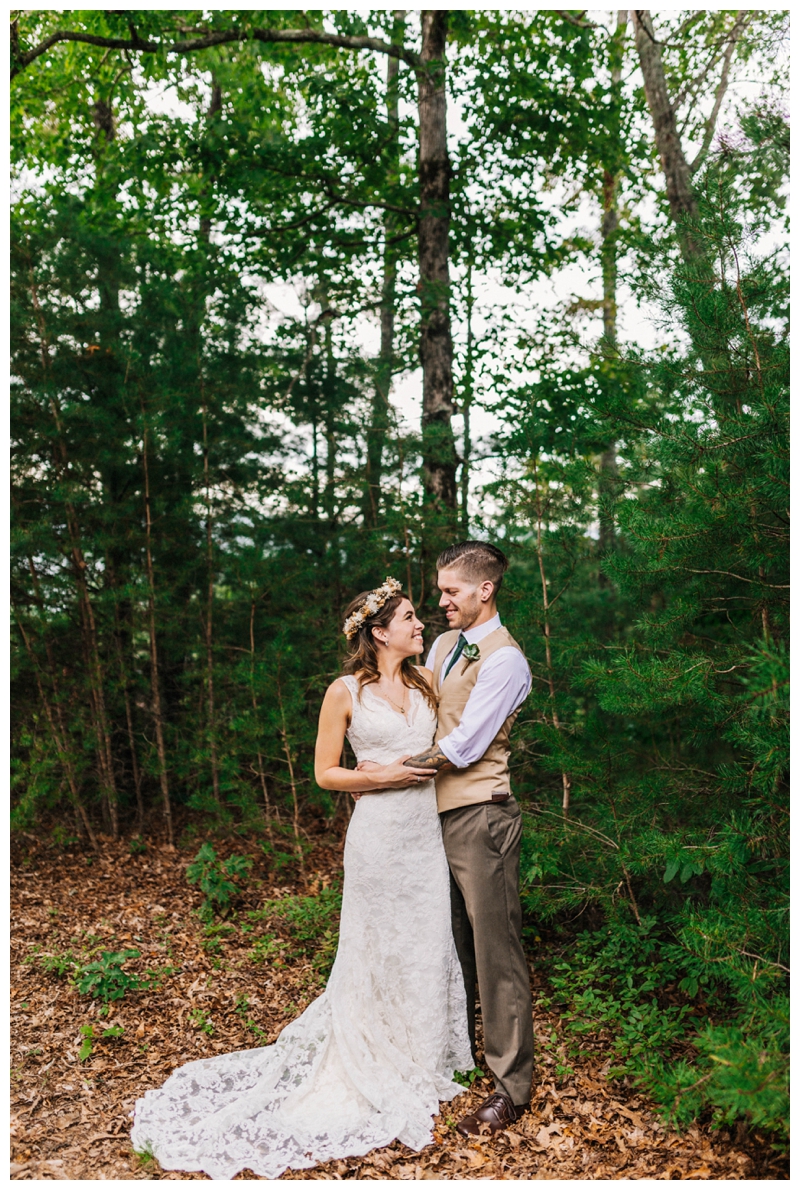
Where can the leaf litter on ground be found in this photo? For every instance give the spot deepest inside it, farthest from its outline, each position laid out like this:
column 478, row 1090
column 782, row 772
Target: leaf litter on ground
column 79, row 1064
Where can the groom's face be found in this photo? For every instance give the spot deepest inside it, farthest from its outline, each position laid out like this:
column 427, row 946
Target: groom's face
column 461, row 599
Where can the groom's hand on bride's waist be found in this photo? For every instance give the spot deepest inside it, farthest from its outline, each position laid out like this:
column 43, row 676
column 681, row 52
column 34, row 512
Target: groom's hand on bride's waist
column 433, row 760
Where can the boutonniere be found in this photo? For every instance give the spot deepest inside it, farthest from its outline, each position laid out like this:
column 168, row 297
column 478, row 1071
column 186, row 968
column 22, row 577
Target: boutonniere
column 470, row 653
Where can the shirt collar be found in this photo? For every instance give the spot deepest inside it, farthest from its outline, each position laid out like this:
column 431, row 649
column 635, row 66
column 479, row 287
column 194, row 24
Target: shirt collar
column 474, row 635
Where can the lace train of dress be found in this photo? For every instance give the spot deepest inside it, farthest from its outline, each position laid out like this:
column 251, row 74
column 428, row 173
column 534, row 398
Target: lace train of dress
column 370, row 1058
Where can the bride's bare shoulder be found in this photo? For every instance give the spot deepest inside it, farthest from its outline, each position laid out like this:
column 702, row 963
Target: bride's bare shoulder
column 426, row 673
column 338, row 695
column 338, row 700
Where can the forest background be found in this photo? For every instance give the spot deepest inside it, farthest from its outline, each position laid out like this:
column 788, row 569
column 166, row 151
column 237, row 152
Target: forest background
column 243, row 244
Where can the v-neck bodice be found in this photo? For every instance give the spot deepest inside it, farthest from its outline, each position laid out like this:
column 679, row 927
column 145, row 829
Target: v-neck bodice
column 378, row 732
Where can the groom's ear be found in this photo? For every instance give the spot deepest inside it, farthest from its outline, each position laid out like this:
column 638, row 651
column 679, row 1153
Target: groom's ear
column 486, row 590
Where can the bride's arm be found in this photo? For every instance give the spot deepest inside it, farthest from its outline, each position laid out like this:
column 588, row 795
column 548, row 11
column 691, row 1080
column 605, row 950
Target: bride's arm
column 333, row 721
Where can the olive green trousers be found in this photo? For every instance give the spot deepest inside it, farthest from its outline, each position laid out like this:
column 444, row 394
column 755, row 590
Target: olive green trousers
column 482, row 844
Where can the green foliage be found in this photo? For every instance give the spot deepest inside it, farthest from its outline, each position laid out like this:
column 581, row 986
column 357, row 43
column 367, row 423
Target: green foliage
column 242, row 1009
column 216, row 878
column 657, row 1005
column 196, row 493
column 89, row 1037
column 59, row 965
column 202, row 1021
column 105, row 978
column 312, row 925
column 467, row 1077
column 673, row 680
column 215, row 936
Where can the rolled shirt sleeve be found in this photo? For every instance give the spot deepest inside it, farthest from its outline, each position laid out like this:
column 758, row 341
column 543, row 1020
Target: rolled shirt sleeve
column 504, row 682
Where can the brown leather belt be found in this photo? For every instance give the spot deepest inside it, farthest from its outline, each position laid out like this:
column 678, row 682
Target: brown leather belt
column 496, row 799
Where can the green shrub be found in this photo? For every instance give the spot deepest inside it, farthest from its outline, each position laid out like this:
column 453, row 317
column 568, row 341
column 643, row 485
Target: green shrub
column 656, row 1004
column 216, row 879
column 56, row 964
column 105, row 978
column 312, row 923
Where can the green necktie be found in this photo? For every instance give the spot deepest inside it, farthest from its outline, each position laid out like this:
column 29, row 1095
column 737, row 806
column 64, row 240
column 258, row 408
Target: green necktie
column 460, row 643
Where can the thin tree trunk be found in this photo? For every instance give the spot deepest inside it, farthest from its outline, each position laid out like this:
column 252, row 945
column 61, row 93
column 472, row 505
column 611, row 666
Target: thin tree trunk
column 100, row 719
column 137, row 775
column 57, row 732
column 566, row 784
column 209, row 624
column 466, row 405
column 287, row 751
column 608, row 260
column 436, row 346
column 379, row 420
column 262, row 777
column 151, row 625
column 96, row 696
column 329, row 415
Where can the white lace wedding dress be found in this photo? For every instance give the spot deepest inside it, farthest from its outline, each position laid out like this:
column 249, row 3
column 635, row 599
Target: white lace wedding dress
column 370, row 1059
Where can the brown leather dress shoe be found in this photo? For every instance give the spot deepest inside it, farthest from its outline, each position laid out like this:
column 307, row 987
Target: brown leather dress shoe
column 494, row 1114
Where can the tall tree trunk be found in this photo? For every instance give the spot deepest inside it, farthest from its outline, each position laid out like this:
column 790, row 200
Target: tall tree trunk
column 677, row 170
column 566, row 784
column 104, row 751
column 107, row 378
column 55, row 719
column 287, row 752
column 608, row 260
column 328, row 387
column 209, row 622
column 436, row 345
column 155, row 688
column 466, row 404
column 261, row 774
column 380, row 415
column 680, row 195
column 96, row 686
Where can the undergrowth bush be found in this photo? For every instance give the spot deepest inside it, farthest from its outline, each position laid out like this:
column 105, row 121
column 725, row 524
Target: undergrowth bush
column 673, row 684
column 312, row 925
column 630, row 984
column 216, row 878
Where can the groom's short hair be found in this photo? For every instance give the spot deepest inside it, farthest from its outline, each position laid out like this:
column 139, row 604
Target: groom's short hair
column 476, row 560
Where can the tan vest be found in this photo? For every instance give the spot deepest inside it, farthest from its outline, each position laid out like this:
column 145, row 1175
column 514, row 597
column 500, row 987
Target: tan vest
column 489, row 775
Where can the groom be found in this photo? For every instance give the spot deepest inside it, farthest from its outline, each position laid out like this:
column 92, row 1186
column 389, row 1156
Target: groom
column 481, row 677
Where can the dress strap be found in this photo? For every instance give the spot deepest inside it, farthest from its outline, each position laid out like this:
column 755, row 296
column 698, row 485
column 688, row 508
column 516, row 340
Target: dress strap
column 351, row 683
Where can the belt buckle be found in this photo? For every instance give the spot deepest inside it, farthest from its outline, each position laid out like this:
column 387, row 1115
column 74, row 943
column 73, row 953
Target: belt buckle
column 500, row 796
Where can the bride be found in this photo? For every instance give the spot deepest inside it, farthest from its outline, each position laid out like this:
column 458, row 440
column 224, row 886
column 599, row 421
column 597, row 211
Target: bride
column 370, row 1059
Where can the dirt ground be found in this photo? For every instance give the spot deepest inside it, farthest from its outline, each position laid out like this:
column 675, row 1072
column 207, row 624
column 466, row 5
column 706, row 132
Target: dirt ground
column 71, row 1115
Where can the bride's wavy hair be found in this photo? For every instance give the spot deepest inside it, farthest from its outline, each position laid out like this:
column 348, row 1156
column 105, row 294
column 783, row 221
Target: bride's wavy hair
column 363, row 659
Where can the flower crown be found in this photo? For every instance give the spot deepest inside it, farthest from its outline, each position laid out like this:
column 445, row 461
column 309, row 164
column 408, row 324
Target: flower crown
column 373, row 603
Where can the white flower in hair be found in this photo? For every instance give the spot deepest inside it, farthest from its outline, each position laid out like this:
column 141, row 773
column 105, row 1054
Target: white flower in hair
column 372, row 604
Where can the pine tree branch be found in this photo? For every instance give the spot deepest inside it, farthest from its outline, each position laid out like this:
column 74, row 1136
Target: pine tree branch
column 574, row 822
column 758, row 582
column 141, row 45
